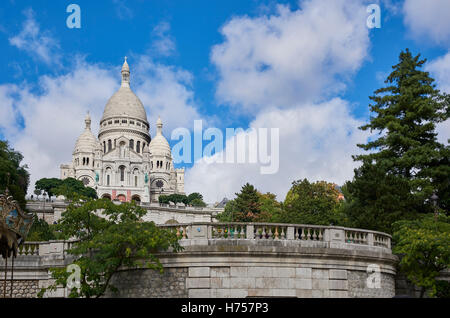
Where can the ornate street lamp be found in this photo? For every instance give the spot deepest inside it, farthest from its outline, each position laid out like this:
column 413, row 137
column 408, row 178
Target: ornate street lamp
column 14, row 227
column 434, row 199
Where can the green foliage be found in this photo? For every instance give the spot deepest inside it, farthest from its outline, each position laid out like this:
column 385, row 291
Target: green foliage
column 41, row 231
column 68, row 187
column 175, row 198
column 110, row 237
column 197, row 202
column 442, row 289
column 311, row 203
column 227, row 214
column 271, row 209
column 246, row 205
column 424, row 249
column 19, row 178
column 47, row 185
column 164, row 199
column 194, row 199
column 251, row 206
column 375, row 200
column 406, row 163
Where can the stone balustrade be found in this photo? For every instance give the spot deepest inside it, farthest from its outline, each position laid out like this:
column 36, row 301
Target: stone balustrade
column 238, row 260
column 278, row 231
column 249, row 231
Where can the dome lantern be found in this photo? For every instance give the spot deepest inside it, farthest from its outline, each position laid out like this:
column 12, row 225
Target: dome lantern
column 125, row 74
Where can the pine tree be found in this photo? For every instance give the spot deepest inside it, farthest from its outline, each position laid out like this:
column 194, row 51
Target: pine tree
column 247, row 204
column 406, row 163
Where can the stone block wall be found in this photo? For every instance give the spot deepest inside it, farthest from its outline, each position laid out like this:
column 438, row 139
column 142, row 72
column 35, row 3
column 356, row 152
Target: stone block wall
column 247, row 281
column 150, row 284
column 21, row 288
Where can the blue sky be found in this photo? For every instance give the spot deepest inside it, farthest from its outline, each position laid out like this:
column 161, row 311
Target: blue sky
column 228, row 63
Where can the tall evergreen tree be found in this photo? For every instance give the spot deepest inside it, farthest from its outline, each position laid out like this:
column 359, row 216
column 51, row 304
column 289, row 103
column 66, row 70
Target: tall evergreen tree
column 247, row 204
column 406, row 163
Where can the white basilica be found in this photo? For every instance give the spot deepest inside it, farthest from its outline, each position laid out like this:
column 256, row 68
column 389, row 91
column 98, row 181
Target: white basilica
column 125, row 163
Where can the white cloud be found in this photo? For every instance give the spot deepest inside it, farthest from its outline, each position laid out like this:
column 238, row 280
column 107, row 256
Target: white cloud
column 285, row 69
column 316, row 141
column 440, row 71
column 428, row 20
column 122, row 10
column 166, row 91
column 38, row 44
column 163, row 44
column 53, row 119
column 289, row 57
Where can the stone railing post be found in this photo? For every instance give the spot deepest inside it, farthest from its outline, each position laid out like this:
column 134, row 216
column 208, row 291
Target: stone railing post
column 335, row 237
column 44, row 248
column 370, row 239
column 388, row 243
column 250, row 232
column 290, row 233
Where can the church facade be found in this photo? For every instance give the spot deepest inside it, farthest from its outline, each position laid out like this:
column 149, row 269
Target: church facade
column 124, row 162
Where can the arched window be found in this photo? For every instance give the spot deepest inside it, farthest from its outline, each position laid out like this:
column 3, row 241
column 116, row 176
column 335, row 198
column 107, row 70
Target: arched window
column 104, row 146
column 84, row 161
column 87, row 161
column 143, row 146
column 109, row 145
column 135, row 181
column 131, row 144
column 108, row 176
column 138, row 146
column 122, row 173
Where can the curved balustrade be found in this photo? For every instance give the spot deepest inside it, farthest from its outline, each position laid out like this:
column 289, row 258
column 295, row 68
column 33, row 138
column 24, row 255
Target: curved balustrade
column 334, row 236
column 29, row 248
column 280, row 231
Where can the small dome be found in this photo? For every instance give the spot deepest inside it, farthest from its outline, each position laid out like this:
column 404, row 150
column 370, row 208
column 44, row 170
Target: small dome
column 124, row 102
column 87, row 141
column 159, row 145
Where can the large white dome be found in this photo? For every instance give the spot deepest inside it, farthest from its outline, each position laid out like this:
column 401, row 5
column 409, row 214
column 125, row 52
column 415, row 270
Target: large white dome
column 124, row 102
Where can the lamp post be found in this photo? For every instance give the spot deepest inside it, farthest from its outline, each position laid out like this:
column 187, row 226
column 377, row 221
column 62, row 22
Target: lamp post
column 434, row 199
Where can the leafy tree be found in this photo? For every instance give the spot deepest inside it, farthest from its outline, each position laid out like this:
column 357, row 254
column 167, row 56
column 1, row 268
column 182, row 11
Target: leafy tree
column 406, row 163
column 271, row 209
column 197, row 202
column 110, row 237
column 164, row 199
column 48, row 185
column 12, row 174
column 311, row 203
column 196, row 199
column 41, row 231
column 175, row 198
column 195, row 195
column 375, row 200
column 424, row 249
column 67, row 187
column 228, row 211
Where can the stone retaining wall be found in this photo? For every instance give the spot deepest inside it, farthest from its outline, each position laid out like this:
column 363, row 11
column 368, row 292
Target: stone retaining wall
column 21, row 288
